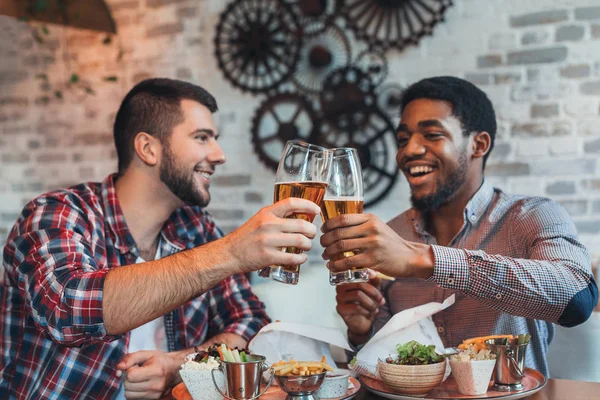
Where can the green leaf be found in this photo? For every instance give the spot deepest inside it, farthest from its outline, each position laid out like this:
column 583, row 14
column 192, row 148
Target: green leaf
column 111, row 78
column 45, row 30
column 74, row 78
column 89, row 90
column 58, row 94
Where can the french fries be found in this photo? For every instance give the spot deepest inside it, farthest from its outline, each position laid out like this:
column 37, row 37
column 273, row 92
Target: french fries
column 384, row 277
column 479, row 342
column 301, row 368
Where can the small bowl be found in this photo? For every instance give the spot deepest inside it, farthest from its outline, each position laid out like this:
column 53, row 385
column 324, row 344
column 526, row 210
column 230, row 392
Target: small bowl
column 413, row 380
column 472, row 377
column 300, row 385
column 199, row 382
column 335, row 384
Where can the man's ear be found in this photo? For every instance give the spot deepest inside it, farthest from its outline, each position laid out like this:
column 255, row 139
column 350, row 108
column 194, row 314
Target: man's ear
column 481, row 144
column 147, row 148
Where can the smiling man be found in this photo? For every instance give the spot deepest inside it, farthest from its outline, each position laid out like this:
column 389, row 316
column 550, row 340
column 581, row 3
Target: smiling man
column 513, row 262
column 107, row 286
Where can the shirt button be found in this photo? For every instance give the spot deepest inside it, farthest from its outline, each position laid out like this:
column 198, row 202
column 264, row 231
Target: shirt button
column 440, row 329
column 498, row 296
column 473, row 217
column 450, row 281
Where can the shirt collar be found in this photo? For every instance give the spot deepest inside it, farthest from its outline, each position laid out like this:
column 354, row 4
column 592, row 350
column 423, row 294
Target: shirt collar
column 179, row 231
column 114, row 217
column 474, row 210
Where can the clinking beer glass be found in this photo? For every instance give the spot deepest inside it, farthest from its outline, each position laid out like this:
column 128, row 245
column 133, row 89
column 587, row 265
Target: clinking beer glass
column 303, row 172
column 344, row 195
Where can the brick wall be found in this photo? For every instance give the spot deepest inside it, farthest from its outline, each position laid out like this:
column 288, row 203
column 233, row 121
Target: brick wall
column 539, row 61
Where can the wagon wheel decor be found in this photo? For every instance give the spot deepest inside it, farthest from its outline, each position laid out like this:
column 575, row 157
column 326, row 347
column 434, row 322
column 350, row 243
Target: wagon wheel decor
column 282, row 117
column 374, row 64
column 392, row 23
column 347, row 96
column 257, row 44
column 314, row 15
column 320, row 55
column 388, row 99
column 377, row 147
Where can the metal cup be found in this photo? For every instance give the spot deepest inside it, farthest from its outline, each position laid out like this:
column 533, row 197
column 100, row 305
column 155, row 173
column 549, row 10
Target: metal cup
column 510, row 361
column 242, row 379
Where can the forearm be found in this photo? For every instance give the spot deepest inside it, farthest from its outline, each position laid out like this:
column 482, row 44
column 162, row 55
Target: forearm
column 532, row 288
column 136, row 294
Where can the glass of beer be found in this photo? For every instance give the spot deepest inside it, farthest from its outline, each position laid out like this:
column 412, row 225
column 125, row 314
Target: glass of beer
column 344, row 195
column 303, row 172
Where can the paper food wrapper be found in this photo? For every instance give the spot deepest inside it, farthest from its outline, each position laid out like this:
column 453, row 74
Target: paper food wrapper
column 412, row 324
column 287, row 340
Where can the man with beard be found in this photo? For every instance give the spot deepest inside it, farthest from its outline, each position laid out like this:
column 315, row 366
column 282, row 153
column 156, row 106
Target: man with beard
column 107, row 286
column 513, row 262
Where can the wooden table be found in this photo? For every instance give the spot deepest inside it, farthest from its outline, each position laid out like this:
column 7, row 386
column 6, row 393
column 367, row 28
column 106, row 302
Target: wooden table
column 555, row 389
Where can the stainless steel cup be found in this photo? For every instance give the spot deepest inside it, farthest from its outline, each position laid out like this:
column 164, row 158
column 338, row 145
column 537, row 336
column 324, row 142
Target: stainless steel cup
column 510, row 362
column 242, row 379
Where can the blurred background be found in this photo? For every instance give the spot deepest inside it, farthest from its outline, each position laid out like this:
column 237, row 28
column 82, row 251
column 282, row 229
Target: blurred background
column 326, row 71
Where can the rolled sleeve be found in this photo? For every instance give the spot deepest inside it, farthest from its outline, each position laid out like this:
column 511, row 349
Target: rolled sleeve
column 234, row 308
column 50, row 261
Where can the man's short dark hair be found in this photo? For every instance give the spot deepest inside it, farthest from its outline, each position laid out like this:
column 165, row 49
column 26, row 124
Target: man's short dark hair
column 469, row 103
column 154, row 106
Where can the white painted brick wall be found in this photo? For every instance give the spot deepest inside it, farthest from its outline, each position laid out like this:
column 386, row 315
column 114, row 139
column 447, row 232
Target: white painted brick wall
column 175, row 40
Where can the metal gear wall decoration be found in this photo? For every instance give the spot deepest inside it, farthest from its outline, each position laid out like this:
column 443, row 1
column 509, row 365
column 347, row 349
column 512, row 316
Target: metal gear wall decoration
column 320, row 55
column 314, row 15
column 257, row 44
column 392, row 23
column 298, row 53
column 375, row 141
column 282, row 117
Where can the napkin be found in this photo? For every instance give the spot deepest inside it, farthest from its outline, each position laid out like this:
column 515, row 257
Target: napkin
column 412, row 324
column 287, row 340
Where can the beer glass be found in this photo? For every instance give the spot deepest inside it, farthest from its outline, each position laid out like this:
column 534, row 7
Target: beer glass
column 303, row 172
column 344, row 195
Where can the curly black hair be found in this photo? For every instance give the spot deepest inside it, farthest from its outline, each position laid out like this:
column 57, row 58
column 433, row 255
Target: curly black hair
column 469, row 103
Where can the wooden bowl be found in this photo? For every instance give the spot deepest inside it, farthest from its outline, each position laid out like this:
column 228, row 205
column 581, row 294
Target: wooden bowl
column 413, row 380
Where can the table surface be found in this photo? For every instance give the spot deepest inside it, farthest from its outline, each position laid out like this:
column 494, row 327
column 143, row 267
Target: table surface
column 555, row 389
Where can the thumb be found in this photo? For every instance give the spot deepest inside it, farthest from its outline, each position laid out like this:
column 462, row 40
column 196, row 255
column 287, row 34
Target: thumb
column 292, row 205
column 374, row 279
column 131, row 359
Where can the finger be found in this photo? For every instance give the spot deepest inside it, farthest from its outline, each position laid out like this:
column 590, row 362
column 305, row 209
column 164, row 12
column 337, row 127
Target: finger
column 291, row 240
column 294, row 205
column 342, row 246
column 349, row 311
column 131, row 359
column 142, row 395
column 368, row 301
column 344, row 220
column 293, row 225
column 360, row 260
column 289, row 259
column 353, row 232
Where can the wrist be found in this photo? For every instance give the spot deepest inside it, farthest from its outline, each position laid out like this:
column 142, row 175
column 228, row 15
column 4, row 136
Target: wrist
column 358, row 339
column 423, row 261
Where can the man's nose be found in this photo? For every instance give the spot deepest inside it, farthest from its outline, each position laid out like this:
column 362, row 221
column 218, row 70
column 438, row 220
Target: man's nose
column 414, row 147
column 217, row 156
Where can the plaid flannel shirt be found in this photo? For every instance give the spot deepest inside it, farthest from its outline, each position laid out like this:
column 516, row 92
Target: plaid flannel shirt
column 54, row 344
column 516, row 266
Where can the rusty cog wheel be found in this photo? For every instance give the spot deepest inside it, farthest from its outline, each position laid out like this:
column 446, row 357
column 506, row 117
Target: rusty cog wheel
column 282, row 117
column 392, row 23
column 376, row 143
column 257, row 44
column 347, row 97
column 374, row 64
column 320, row 55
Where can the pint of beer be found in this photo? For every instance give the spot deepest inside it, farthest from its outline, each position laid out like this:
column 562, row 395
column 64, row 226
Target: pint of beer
column 344, row 195
column 303, row 172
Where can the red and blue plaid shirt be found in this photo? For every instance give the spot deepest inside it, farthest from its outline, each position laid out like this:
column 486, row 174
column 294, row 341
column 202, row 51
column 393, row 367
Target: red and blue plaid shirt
column 54, row 344
column 516, row 266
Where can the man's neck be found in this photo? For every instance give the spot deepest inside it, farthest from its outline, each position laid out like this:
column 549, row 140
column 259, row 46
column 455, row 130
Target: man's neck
column 447, row 221
column 144, row 207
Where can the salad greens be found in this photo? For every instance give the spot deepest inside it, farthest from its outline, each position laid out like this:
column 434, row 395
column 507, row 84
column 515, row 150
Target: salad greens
column 414, row 353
